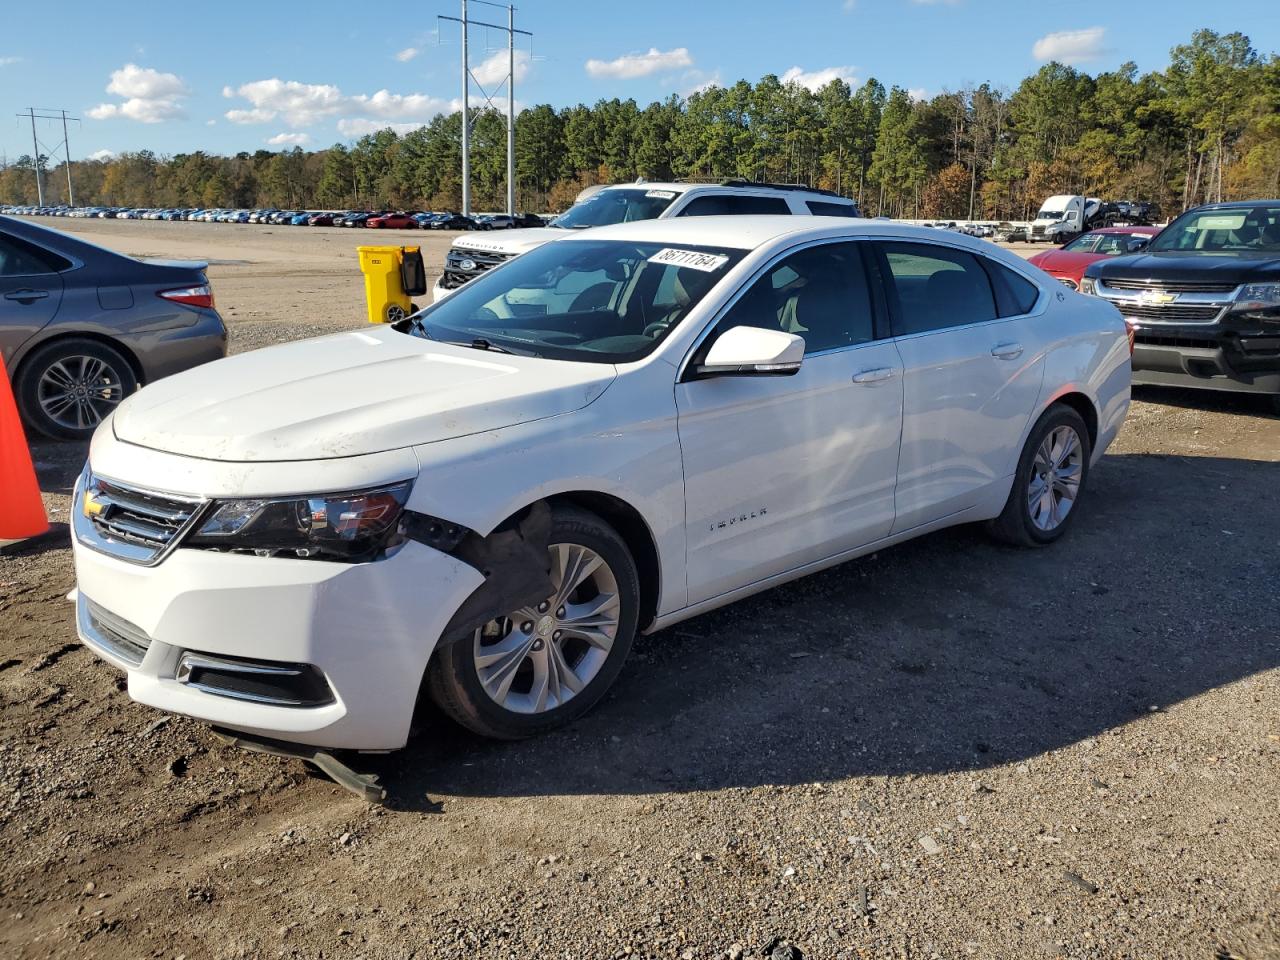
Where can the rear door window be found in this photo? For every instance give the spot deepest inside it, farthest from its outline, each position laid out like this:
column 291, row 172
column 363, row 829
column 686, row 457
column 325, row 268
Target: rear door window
column 728, row 204
column 937, row 287
column 1015, row 295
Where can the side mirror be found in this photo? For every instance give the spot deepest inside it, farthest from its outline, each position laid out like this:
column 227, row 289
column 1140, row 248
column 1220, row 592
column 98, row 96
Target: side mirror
column 1136, row 245
column 752, row 352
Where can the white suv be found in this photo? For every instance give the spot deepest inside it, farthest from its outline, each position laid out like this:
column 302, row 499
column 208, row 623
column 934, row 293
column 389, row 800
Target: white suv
column 474, row 253
column 614, row 432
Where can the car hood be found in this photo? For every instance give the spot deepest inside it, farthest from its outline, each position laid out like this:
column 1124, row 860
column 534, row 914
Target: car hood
column 350, row 394
column 1235, row 267
column 511, row 241
column 1067, row 262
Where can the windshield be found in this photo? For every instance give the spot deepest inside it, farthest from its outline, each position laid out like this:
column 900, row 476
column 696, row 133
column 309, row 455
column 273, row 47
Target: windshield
column 1104, row 244
column 615, row 206
column 603, row 301
column 1235, row 230
column 1047, row 214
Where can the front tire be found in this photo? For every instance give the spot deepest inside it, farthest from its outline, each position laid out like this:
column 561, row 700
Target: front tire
column 1047, row 485
column 532, row 670
column 66, row 388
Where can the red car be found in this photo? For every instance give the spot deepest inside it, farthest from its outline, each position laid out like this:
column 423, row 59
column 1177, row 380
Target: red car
column 398, row 221
column 1067, row 263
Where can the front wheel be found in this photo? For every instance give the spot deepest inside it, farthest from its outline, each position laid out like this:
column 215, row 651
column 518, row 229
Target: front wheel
column 531, row 670
column 1049, row 480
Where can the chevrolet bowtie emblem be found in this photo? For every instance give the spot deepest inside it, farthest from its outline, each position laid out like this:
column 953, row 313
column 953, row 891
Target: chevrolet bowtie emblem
column 1159, row 296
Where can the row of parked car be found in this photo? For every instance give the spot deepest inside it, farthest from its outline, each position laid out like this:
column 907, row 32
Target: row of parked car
column 391, row 219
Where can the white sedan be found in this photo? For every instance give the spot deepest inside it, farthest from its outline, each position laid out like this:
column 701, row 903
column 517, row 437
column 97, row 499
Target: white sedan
column 612, row 433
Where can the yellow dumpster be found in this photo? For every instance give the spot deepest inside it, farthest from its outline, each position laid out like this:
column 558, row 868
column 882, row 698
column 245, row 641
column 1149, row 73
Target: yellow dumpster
column 391, row 276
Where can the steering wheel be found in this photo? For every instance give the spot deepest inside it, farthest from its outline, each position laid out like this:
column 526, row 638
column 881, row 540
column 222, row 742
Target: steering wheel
column 656, row 329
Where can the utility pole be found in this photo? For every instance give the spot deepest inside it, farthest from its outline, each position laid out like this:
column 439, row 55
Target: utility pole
column 66, row 154
column 511, row 111
column 467, row 78
column 35, row 159
column 466, row 119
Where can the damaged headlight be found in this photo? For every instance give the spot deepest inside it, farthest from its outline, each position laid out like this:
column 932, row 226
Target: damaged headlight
column 348, row 527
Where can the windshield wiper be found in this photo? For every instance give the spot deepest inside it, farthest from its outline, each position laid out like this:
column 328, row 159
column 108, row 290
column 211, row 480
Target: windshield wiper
column 480, row 343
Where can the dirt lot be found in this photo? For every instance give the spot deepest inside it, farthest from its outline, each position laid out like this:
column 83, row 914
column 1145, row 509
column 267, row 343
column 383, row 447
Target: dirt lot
column 949, row 749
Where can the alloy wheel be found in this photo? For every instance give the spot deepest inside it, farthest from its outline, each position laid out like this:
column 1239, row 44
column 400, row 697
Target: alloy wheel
column 1055, row 478
column 79, row 392
column 539, row 657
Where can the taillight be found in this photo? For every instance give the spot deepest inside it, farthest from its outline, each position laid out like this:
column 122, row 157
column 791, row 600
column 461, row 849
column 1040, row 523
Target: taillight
column 1132, row 329
column 201, row 296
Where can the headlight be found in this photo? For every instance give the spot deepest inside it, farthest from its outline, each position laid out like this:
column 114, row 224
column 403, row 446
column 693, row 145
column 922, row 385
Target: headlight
column 1258, row 296
column 335, row 526
column 1088, row 286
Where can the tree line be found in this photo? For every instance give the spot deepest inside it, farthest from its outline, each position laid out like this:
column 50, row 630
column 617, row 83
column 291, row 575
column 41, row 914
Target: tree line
column 1205, row 128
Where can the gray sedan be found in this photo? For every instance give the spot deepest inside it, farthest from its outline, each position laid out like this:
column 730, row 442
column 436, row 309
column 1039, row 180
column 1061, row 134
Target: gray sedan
column 82, row 327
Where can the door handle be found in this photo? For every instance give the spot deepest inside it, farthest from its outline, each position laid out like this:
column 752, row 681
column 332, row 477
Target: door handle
column 1007, row 351
column 27, row 296
column 873, row 376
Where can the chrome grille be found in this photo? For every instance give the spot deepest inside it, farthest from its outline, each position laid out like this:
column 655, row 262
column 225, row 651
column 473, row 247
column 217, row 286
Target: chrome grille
column 1169, row 286
column 131, row 523
column 455, row 274
column 1170, row 312
column 111, row 634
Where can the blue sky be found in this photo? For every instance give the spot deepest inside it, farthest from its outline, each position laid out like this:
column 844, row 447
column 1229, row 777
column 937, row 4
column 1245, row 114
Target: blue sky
column 236, row 75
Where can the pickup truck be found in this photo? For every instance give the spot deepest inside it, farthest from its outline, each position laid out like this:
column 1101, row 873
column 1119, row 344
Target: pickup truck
column 1203, row 299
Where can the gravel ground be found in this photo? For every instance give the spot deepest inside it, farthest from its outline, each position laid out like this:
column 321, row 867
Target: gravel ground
column 948, row 749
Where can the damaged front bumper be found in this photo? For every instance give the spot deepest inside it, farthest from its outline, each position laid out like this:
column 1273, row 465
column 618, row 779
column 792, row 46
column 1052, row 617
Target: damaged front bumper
column 304, row 651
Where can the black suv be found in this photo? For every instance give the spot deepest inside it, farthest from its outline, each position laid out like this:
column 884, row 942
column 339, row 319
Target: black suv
column 1203, row 299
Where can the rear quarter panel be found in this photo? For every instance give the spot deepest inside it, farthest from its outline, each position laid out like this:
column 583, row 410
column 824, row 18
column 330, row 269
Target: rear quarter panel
column 1087, row 353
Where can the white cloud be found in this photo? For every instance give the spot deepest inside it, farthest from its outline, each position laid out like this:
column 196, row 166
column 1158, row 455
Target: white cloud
column 918, row 94
column 305, row 104
column 359, row 126
column 493, row 70
column 1071, row 46
column 817, row 79
column 849, row 5
column 149, row 96
column 211, row 123
column 5, row 61
column 634, row 65
column 298, row 104
column 132, row 81
column 407, row 54
column 102, row 154
column 290, row 139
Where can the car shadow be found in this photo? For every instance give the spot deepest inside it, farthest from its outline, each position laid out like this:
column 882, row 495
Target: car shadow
column 1210, row 401
column 948, row 653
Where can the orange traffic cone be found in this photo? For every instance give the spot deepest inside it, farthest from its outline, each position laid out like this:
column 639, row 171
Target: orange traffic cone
column 21, row 509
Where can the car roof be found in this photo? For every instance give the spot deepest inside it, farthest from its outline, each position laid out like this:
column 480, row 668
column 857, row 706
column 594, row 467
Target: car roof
column 752, row 232
column 1134, row 229
column 731, row 186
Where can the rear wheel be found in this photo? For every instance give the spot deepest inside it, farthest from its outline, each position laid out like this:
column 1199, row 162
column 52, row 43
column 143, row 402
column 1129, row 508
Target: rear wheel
column 65, row 389
column 539, row 667
column 1049, row 480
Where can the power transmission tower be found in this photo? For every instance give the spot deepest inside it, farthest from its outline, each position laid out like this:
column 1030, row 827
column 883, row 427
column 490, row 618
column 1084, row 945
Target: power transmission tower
column 467, row 78
column 64, row 146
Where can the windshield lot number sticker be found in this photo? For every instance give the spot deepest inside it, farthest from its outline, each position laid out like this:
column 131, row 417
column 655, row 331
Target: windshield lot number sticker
column 660, row 194
column 706, row 262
